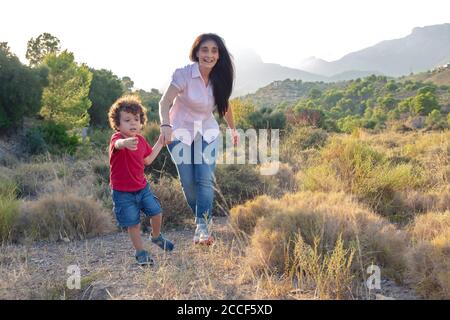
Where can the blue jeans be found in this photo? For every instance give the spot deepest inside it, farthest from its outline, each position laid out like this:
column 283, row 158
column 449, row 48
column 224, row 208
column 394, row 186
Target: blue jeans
column 195, row 165
column 128, row 205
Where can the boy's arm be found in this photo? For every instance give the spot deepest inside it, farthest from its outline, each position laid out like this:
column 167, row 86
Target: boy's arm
column 156, row 150
column 130, row 143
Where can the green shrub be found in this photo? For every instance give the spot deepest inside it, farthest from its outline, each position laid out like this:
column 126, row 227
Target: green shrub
column 353, row 166
column 58, row 140
column 235, row 184
column 51, row 137
column 302, row 138
column 34, row 141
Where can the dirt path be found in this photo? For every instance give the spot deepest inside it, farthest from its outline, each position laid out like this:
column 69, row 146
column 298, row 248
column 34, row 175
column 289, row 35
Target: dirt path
column 108, row 271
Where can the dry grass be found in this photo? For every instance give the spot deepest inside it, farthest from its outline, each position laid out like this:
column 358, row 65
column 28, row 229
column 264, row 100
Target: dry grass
column 329, row 276
column 62, row 216
column 244, row 217
column 349, row 165
column 318, row 215
column 9, row 205
column 236, row 184
column 429, row 255
column 176, row 211
column 283, row 181
column 35, row 178
column 299, row 140
column 300, row 230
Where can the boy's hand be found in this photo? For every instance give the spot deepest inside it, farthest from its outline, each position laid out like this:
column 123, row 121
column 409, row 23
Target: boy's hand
column 130, row 143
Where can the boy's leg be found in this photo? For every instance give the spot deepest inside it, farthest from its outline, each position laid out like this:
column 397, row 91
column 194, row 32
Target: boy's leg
column 127, row 215
column 156, row 225
column 157, row 237
column 152, row 207
column 135, row 236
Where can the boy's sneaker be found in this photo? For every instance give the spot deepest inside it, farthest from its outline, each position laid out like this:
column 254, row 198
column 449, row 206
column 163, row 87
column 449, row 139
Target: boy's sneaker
column 144, row 259
column 162, row 242
column 202, row 236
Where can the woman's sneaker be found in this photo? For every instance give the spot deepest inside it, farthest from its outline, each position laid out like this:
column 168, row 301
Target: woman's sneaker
column 202, row 236
column 162, row 242
column 144, row 259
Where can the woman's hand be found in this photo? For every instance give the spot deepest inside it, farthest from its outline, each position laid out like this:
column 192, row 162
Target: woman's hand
column 166, row 131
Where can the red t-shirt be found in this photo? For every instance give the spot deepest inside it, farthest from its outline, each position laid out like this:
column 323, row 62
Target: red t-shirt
column 127, row 166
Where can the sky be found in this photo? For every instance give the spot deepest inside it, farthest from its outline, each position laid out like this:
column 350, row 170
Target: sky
column 148, row 40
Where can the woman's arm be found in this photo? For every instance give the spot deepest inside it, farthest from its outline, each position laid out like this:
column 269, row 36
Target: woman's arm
column 229, row 118
column 230, row 121
column 165, row 104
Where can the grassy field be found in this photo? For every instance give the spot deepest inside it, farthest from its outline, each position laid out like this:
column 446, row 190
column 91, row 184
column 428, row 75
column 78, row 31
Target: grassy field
column 338, row 204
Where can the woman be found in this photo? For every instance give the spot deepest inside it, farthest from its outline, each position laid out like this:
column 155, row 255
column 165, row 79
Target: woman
column 188, row 125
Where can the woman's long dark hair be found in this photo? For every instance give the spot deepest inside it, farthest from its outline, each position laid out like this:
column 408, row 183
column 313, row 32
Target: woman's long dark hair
column 222, row 75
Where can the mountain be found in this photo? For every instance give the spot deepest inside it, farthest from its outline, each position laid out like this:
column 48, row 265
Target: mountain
column 438, row 76
column 252, row 73
column 424, row 49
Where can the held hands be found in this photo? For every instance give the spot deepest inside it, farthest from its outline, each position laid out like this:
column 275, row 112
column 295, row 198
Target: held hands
column 166, row 132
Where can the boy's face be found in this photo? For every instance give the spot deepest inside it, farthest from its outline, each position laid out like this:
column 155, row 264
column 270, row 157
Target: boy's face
column 130, row 124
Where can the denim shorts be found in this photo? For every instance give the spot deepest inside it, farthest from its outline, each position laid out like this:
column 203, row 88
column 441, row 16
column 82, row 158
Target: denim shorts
column 128, row 206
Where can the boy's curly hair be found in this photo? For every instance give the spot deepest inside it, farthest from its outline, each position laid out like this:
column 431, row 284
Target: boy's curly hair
column 130, row 104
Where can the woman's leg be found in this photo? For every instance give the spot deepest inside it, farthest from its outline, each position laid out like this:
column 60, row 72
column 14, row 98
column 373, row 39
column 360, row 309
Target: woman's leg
column 185, row 171
column 204, row 180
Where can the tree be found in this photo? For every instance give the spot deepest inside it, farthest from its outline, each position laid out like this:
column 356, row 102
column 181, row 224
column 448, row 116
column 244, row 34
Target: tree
column 151, row 101
column 6, row 50
column 388, row 101
column 331, row 97
column 39, row 48
column 127, row 84
column 65, row 100
column 314, row 93
column 349, row 123
column 265, row 119
column 391, row 86
column 20, row 88
column 106, row 88
column 424, row 103
column 241, row 112
column 435, row 120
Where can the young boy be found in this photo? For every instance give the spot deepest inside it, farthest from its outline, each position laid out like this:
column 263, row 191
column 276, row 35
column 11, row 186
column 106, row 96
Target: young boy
column 129, row 152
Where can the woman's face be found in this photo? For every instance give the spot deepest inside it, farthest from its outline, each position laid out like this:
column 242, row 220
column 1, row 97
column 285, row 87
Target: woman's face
column 208, row 54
